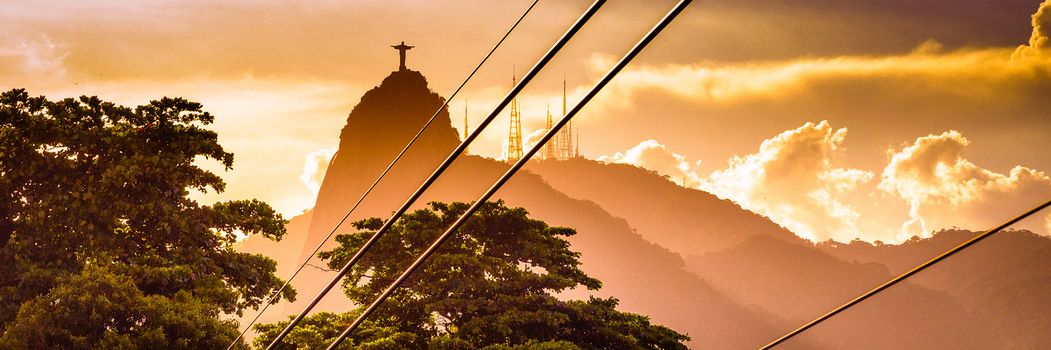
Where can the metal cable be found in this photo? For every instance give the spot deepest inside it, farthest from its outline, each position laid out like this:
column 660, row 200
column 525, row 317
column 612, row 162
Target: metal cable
column 383, row 174
column 514, row 169
column 905, row 275
column 441, row 168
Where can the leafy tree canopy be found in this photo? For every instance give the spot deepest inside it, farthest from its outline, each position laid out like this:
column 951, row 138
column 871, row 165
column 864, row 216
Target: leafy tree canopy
column 491, row 286
column 87, row 182
column 98, row 309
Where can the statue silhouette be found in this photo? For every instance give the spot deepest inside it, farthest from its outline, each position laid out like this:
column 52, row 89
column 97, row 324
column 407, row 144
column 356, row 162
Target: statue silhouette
column 401, row 52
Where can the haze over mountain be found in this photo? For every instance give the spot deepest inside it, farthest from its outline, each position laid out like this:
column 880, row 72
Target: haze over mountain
column 759, row 263
column 612, row 251
column 1001, row 281
column 683, row 220
column 693, row 262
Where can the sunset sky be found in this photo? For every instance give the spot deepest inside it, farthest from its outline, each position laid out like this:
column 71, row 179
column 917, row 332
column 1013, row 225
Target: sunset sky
column 837, row 119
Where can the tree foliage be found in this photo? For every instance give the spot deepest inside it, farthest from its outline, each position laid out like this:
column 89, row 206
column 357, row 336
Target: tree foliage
column 98, row 309
column 87, row 182
column 318, row 331
column 491, row 286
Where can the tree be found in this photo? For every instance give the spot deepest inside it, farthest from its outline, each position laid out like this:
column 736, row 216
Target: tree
column 318, row 330
column 87, row 182
column 98, row 309
column 490, row 286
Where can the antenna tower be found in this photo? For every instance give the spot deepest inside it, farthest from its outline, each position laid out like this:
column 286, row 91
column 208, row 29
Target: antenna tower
column 549, row 148
column 564, row 138
column 576, row 146
column 514, row 139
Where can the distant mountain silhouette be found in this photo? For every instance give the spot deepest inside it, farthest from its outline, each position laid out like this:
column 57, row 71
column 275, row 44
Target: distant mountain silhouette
column 1002, row 280
column 385, row 119
column 759, row 263
column 798, row 281
column 756, row 262
column 745, row 279
column 647, row 278
column 687, row 221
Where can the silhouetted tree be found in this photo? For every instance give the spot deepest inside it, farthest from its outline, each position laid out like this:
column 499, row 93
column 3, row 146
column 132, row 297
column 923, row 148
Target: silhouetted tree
column 491, row 286
column 85, row 182
column 98, row 309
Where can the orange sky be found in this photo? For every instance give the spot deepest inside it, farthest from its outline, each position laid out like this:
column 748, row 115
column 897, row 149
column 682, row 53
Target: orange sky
column 838, row 119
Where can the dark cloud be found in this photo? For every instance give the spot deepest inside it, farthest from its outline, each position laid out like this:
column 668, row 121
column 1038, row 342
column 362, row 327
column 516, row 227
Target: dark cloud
column 1040, row 40
column 713, row 111
column 337, row 40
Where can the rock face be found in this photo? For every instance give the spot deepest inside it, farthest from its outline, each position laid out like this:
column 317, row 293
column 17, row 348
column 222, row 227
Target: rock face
column 387, row 117
column 379, row 126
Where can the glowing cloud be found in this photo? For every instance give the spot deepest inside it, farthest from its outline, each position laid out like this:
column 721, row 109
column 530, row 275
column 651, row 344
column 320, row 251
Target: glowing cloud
column 654, row 156
column 975, row 74
column 531, row 140
column 945, row 190
column 1039, row 41
column 978, row 74
column 792, row 180
column 315, row 167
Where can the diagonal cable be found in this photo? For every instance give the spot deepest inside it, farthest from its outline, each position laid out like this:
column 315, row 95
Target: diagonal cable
column 441, row 168
column 383, row 174
column 514, row 169
column 905, row 275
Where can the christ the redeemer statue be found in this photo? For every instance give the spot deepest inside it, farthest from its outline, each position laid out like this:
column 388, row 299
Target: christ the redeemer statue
column 401, row 51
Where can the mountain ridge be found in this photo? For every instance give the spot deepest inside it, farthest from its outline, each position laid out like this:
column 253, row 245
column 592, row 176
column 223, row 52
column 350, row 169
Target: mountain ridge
column 684, row 257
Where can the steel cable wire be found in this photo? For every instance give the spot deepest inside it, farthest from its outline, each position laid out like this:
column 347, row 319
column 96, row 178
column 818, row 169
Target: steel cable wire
column 277, row 294
column 905, row 275
column 511, row 172
column 441, row 168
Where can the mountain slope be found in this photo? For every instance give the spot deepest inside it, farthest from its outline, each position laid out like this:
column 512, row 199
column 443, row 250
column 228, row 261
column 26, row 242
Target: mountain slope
column 746, row 280
column 687, row 221
column 759, row 263
column 799, row 282
column 1002, row 280
column 647, row 278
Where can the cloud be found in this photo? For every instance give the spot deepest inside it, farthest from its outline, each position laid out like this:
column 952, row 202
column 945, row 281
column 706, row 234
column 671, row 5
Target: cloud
column 945, row 190
column 712, row 107
column 793, row 180
column 1039, row 41
column 939, row 79
column 315, row 167
column 924, row 71
column 34, row 57
column 531, row 140
column 715, row 109
column 996, row 98
column 318, row 39
column 654, row 156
